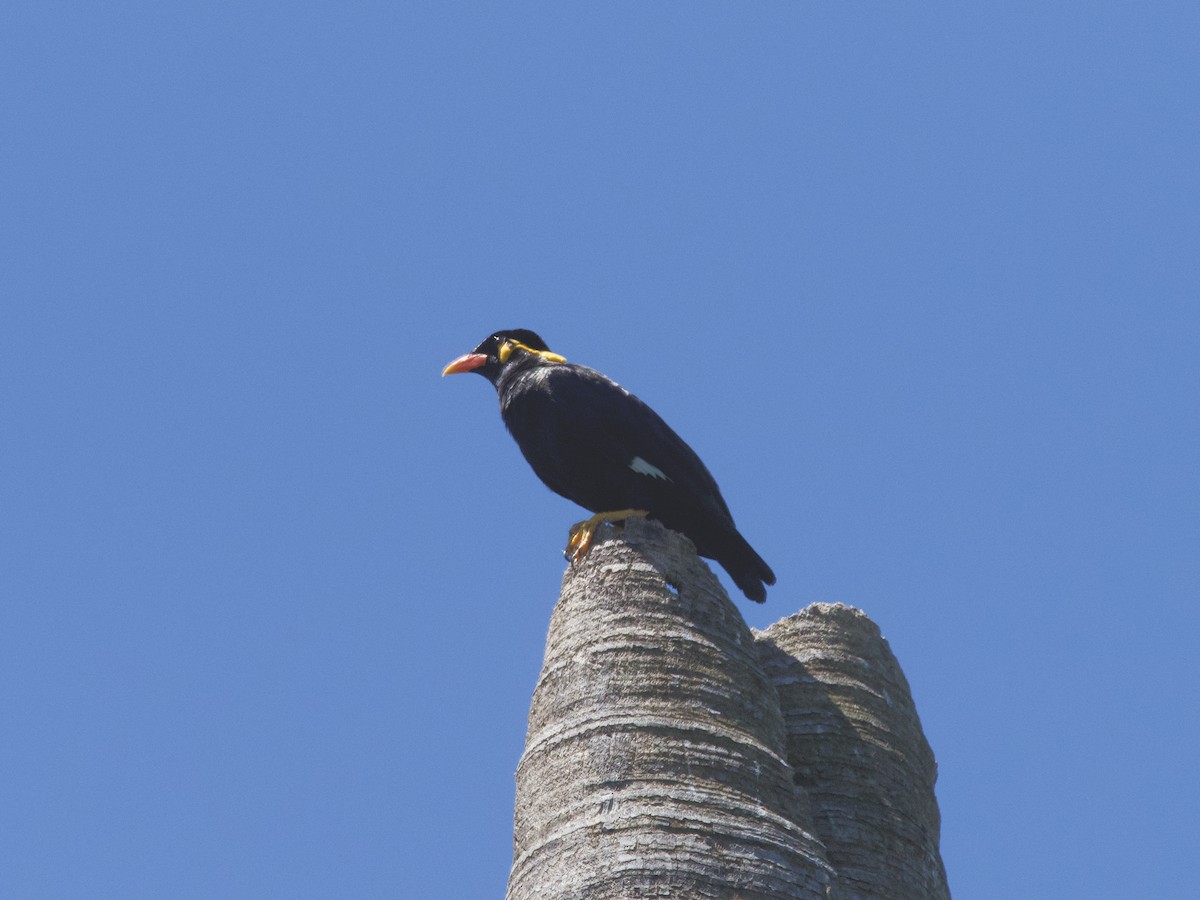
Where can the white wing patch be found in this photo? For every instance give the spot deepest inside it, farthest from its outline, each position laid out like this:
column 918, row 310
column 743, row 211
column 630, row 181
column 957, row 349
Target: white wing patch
column 642, row 467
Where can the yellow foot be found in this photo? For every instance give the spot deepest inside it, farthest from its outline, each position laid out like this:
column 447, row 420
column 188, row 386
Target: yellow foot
column 583, row 533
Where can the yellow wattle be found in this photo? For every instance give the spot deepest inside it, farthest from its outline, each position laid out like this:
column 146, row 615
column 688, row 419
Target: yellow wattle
column 507, row 348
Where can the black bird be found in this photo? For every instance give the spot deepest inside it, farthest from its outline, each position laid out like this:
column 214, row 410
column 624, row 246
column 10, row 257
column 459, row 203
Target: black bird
column 593, row 442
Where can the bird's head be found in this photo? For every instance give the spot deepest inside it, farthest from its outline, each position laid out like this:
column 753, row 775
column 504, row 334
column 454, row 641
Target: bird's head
column 500, row 350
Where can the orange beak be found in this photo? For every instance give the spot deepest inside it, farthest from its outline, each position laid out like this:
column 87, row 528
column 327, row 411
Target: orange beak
column 465, row 364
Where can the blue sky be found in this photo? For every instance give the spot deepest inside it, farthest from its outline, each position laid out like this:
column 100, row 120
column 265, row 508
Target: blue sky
column 919, row 284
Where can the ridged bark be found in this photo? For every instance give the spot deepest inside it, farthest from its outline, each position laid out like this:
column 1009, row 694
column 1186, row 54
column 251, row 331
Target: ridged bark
column 856, row 745
column 656, row 759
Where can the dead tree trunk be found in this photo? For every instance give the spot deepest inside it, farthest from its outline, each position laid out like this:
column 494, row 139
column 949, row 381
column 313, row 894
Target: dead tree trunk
column 856, row 745
column 656, row 759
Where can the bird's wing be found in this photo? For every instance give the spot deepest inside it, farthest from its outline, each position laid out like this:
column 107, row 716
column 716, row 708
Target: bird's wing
column 600, row 418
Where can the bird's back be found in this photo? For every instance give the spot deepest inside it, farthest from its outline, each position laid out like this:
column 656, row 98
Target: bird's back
column 595, row 443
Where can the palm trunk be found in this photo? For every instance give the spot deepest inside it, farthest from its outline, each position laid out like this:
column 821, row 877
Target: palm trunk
column 656, row 760
column 856, row 745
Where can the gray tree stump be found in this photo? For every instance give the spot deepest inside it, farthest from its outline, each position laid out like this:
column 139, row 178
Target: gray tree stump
column 858, row 752
column 660, row 762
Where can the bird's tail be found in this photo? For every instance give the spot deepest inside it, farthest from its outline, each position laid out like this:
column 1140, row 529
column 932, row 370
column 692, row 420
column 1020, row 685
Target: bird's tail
column 747, row 569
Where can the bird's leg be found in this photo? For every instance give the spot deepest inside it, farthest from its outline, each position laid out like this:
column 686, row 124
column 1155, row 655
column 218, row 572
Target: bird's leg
column 583, row 533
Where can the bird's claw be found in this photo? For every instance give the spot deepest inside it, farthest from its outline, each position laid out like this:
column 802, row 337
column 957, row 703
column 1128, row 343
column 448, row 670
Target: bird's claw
column 579, row 541
column 582, row 534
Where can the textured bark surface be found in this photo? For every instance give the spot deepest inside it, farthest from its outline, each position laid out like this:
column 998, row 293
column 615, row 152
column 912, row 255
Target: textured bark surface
column 856, row 746
column 656, row 759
